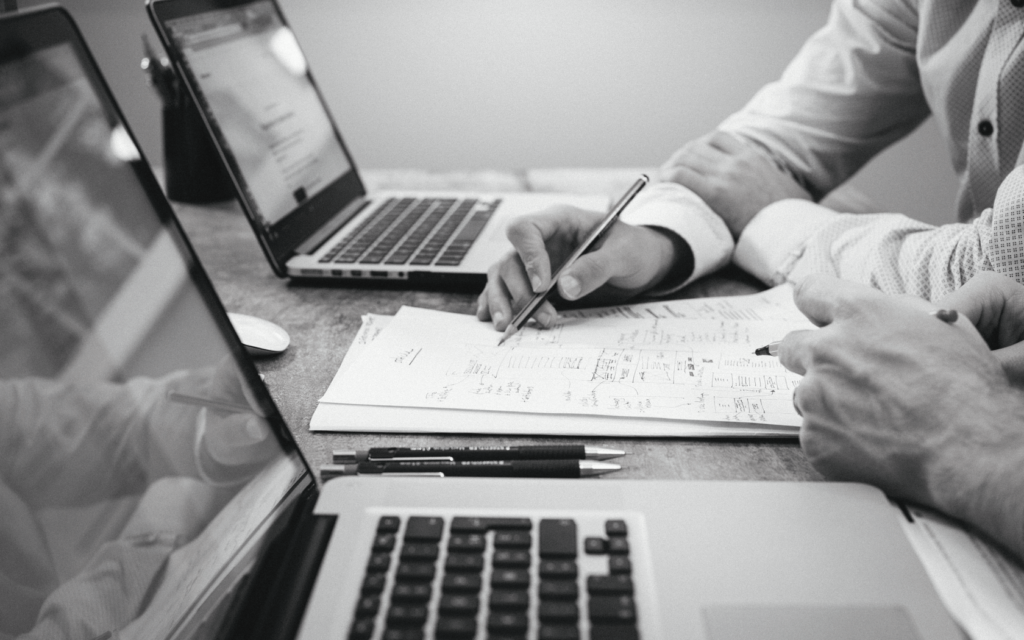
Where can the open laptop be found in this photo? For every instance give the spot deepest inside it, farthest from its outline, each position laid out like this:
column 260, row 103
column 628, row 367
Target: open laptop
column 150, row 488
column 295, row 178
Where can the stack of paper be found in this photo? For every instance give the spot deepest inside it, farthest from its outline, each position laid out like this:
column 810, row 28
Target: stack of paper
column 676, row 368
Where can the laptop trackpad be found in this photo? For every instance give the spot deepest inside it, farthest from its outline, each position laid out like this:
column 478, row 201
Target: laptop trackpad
column 808, row 623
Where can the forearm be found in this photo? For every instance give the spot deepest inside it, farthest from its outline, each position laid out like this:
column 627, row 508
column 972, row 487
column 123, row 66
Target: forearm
column 851, row 91
column 980, row 480
column 894, row 254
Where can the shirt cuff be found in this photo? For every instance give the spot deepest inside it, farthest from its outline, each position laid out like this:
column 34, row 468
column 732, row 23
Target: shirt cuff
column 776, row 236
column 673, row 207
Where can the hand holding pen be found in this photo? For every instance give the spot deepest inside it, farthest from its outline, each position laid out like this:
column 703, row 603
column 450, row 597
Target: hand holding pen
column 627, row 260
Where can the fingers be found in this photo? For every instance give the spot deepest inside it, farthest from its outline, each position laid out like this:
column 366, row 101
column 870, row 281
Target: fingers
column 796, row 351
column 823, row 299
column 993, row 303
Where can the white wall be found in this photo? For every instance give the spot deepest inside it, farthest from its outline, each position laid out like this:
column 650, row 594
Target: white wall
column 464, row 84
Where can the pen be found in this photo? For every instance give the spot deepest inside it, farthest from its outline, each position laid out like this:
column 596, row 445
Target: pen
column 159, row 74
column 588, row 243
column 767, row 350
column 532, row 452
column 218, row 405
column 479, row 468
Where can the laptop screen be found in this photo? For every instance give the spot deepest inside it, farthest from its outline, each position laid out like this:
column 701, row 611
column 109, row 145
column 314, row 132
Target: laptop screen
column 253, row 79
column 141, row 460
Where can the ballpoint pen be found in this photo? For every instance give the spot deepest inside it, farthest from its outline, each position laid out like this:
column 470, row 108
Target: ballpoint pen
column 530, row 452
column 478, row 468
column 767, row 350
column 538, row 298
column 209, row 403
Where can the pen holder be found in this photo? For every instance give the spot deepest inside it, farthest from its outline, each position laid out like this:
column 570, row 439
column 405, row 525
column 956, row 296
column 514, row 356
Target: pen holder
column 195, row 173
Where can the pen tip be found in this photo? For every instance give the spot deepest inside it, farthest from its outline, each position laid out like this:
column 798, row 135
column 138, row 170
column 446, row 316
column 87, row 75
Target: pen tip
column 509, row 332
column 761, row 351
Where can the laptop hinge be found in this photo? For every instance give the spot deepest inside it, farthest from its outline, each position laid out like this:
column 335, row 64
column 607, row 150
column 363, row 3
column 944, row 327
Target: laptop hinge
column 313, row 242
column 275, row 598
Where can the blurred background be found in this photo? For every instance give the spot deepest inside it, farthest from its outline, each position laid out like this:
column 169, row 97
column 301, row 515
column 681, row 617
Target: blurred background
column 509, row 84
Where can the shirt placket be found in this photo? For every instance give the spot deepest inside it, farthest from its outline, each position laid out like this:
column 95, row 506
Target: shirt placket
column 983, row 161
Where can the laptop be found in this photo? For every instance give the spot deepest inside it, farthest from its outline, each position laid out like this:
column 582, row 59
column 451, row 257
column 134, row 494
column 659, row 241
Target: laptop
column 294, row 176
column 151, row 489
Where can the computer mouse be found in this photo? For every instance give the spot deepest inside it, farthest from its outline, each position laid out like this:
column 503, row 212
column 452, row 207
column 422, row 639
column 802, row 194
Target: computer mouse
column 260, row 337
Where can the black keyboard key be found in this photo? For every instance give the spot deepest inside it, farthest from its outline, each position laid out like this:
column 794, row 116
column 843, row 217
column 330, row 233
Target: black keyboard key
column 559, row 632
column 415, row 572
column 558, row 569
column 616, row 528
column 424, row 529
column 367, row 606
column 507, row 622
column 411, row 592
column 511, row 559
column 459, row 605
column 510, row 579
column 614, row 632
column 464, row 563
column 403, row 634
column 374, row 583
column 513, row 540
column 559, row 590
column 401, row 615
column 619, row 564
column 555, row 611
column 384, row 542
column 610, row 585
column 467, row 542
column 595, row 546
column 379, row 563
column 448, row 627
column 419, row 552
column 557, row 538
column 612, row 609
column 618, row 545
column 515, row 600
column 361, row 629
column 462, row 583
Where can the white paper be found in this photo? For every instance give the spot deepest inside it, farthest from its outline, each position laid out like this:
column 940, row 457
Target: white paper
column 982, row 588
column 692, row 360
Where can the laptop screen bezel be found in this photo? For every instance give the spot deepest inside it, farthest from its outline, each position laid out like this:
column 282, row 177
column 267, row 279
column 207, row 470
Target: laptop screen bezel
column 281, row 240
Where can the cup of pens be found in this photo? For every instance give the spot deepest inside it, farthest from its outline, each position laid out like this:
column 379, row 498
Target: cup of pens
column 194, row 171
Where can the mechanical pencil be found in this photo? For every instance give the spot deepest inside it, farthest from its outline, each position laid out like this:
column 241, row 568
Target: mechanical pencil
column 479, row 468
column 531, row 452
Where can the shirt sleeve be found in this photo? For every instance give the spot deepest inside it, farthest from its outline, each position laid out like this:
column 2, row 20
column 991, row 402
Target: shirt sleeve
column 673, row 207
column 852, row 90
column 888, row 251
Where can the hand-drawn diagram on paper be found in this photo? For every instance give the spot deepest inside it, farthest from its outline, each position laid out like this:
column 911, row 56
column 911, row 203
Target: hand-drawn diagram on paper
column 675, row 368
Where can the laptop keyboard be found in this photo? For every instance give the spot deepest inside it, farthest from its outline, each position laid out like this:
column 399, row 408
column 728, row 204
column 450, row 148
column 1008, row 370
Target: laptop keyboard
column 427, row 231
column 494, row 578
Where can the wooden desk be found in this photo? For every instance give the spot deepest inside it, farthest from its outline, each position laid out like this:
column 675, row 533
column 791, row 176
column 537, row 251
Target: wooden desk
column 322, row 322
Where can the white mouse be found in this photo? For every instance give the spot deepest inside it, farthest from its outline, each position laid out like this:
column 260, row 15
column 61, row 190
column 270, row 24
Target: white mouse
column 260, row 337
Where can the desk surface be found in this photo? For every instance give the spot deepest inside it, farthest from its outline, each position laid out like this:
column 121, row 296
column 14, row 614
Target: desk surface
column 322, row 322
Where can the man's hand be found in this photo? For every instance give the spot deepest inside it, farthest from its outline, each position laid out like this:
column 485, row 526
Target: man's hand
column 734, row 178
column 900, row 399
column 627, row 261
column 995, row 305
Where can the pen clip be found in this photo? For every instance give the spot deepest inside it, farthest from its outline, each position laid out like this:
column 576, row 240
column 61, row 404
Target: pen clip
column 412, row 459
column 413, row 474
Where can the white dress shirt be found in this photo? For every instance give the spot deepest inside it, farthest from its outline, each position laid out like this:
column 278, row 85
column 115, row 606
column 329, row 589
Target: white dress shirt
column 869, row 77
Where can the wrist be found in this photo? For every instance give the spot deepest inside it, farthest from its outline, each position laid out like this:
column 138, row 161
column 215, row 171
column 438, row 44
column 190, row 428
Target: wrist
column 980, row 478
column 675, row 259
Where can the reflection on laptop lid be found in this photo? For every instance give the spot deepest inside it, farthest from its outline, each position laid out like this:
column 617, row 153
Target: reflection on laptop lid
column 293, row 174
column 132, row 503
column 150, row 489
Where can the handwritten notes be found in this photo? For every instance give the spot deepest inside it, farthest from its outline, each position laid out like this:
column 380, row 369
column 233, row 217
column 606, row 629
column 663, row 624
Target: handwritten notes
column 680, row 360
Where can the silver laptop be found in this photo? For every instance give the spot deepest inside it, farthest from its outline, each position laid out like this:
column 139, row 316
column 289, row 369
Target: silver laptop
column 294, row 176
column 150, row 488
